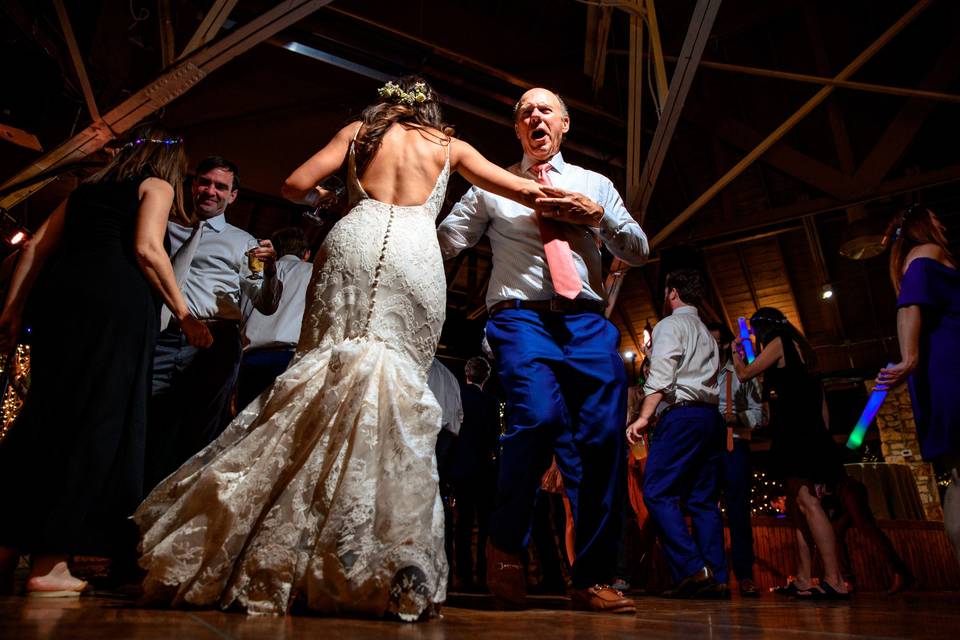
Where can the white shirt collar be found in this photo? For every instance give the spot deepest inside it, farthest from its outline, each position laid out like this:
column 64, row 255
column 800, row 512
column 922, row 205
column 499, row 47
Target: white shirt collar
column 556, row 163
column 217, row 223
column 685, row 310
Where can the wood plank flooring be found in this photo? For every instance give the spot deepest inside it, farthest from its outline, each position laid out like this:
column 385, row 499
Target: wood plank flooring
column 916, row 615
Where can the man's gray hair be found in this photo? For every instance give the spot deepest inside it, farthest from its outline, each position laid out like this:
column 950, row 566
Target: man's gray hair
column 563, row 105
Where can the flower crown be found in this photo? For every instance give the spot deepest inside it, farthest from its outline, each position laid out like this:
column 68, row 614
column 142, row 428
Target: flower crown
column 392, row 91
column 138, row 141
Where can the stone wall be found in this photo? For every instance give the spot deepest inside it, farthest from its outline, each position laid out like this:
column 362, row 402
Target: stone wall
column 898, row 438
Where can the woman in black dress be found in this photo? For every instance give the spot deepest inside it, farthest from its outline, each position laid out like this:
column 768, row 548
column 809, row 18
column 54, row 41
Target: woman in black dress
column 804, row 453
column 71, row 469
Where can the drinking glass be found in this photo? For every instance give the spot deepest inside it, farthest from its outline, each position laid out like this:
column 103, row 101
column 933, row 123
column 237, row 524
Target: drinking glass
column 254, row 262
column 335, row 189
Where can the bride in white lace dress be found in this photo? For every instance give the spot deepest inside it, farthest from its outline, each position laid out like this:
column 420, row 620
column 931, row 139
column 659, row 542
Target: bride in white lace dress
column 323, row 492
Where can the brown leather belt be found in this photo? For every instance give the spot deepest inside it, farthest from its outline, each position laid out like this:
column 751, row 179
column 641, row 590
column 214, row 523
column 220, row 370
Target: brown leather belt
column 553, row 305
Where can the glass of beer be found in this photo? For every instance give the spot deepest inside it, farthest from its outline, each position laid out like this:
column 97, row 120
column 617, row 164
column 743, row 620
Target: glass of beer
column 255, row 263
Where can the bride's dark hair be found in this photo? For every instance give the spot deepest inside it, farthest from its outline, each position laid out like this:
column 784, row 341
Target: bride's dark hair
column 399, row 103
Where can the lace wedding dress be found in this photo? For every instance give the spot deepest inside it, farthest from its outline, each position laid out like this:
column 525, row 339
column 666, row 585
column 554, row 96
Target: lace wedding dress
column 323, row 492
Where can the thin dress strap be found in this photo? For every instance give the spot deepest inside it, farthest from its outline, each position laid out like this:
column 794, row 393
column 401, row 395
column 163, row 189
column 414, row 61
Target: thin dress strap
column 356, row 189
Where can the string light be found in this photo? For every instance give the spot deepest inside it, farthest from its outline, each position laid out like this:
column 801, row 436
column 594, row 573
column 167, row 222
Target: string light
column 17, row 374
column 139, row 141
column 764, row 496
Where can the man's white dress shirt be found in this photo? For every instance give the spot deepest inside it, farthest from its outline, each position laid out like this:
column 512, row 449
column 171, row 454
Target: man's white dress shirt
column 519, row 265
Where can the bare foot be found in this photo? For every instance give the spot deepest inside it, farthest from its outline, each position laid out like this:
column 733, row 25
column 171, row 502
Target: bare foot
column 803, row 584
column 51, row 573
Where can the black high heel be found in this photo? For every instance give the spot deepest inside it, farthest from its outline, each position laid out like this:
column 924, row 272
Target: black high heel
column 829, row 593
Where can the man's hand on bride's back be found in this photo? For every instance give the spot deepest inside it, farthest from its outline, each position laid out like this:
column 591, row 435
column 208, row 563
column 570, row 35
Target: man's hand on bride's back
column 569, row 206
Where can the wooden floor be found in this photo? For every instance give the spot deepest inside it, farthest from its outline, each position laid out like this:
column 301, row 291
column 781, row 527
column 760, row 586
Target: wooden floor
column 919, row 615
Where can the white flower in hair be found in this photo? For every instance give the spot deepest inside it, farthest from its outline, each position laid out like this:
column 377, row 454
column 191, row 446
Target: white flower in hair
column 392, row 91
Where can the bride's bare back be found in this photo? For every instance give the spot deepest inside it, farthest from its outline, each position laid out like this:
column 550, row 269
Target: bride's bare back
column 405, row 168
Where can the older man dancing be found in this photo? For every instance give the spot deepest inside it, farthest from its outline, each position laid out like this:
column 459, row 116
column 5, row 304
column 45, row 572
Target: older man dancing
column 555, row 351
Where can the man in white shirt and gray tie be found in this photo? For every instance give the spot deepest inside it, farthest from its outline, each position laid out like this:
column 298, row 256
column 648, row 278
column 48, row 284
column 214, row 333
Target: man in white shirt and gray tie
column 269, row 341
column 556, row 354
column 683, row 464
column 742, row 409
column 191, row 387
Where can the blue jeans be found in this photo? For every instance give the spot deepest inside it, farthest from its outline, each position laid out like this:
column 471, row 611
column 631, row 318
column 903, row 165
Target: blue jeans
column 566, row 389
column 683, row 468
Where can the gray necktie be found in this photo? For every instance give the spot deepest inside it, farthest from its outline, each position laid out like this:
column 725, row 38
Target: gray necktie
column 181, row 267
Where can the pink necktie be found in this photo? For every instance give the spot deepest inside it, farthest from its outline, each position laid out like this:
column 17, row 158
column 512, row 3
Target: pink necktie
column 563, row 272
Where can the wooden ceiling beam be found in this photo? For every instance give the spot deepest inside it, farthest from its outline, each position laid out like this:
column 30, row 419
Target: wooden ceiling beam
column 167, row 87
column 625, row 318
column 901, row 131
column 760, row 220
column 698, row 32
column 727, row 318
column 780, row 156
column 472, row 64
column 791, row 284
column 640, row 189
column 167, row 39
column 78, row 66
column 597, row 44
column 745, row 270
column 868, row 87
column 823, row 276
column 209, row 26
column 790, row 122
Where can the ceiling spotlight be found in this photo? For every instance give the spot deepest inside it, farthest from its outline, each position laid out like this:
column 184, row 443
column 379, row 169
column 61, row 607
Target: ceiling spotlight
column 15, row 237
column 826, row 292
column 629, row 355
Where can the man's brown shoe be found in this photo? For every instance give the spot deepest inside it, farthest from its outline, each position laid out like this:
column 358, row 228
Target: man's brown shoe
column 505, row 578
column 693, row 584
column 601, row 598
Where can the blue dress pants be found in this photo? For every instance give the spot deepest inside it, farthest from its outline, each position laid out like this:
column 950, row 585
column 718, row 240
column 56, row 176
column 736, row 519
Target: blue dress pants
column 566, row 396
column 737, row 479
column 683, row 469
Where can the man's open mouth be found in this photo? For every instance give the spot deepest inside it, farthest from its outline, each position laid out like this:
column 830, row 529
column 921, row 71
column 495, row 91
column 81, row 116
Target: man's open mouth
column 538, row 134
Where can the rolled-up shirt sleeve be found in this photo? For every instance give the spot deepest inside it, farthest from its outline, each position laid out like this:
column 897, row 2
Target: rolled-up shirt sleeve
column 665, row 358
column 263, row 292
column 464, row 225
column 620, row 233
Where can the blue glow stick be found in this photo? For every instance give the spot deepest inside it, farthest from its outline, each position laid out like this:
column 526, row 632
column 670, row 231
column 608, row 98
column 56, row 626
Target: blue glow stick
column 747, row 342
column 876, row 399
